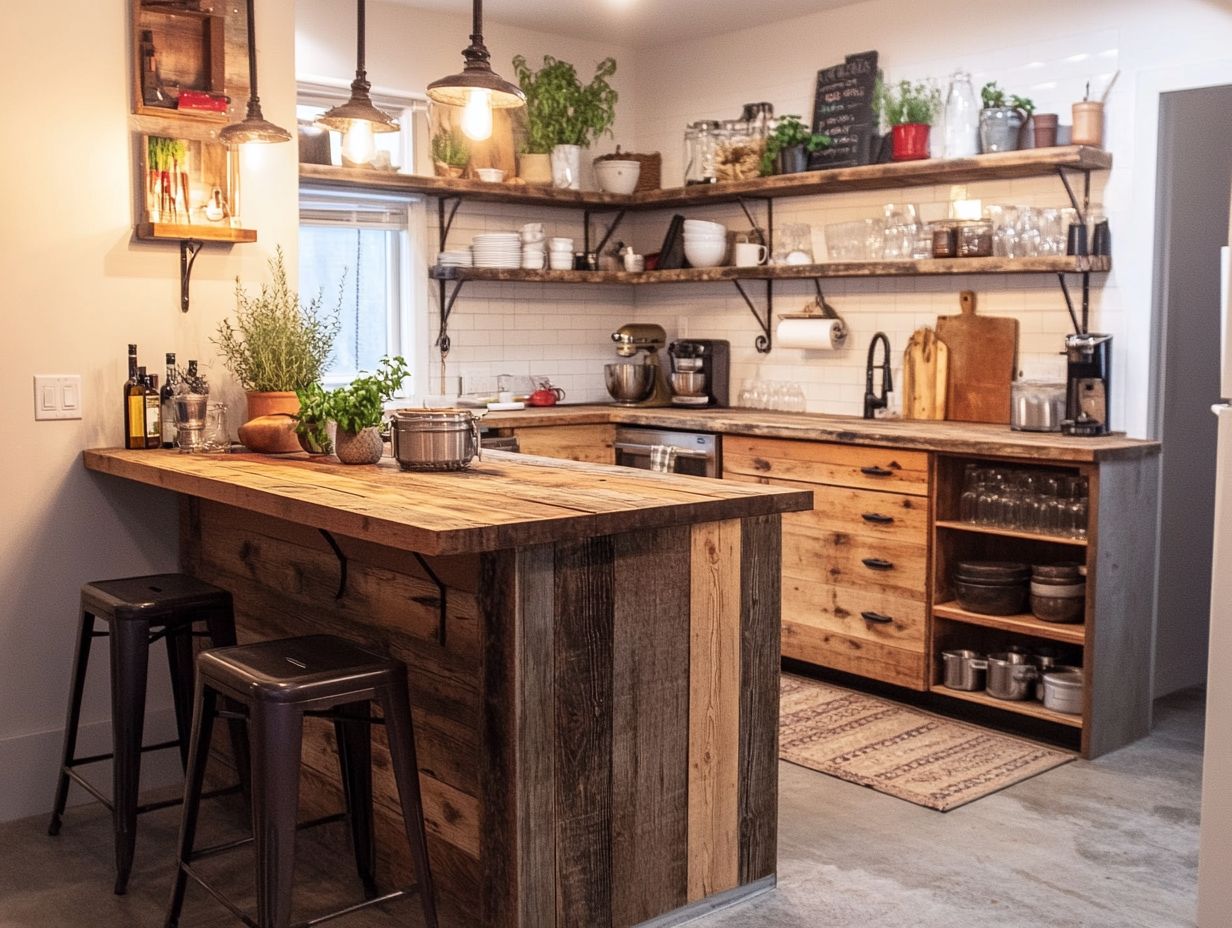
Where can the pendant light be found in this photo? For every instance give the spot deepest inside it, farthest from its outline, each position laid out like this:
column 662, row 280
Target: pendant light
column 254, row 127
column 358, row 118
column 478, row 89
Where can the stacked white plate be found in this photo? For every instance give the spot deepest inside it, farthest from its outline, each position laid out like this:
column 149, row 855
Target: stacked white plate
column 497, row 249
column 454, row 258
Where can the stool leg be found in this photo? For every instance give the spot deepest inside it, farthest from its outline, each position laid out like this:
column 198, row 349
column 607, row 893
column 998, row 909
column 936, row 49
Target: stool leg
column 130, row 651
column 277, row 739
column 355, row 765
column 180, row 664
column 396, row 707
column 204, row 705
column 220, row 624
column 81, row 659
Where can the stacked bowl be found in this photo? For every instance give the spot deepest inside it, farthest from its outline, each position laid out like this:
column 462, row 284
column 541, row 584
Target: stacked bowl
column 705, row 243
column 560, row 253
column 533, row 248
column 497, row 249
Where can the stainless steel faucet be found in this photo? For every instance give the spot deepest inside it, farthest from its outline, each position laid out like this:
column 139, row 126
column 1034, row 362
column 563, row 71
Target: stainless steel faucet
column 872, row 401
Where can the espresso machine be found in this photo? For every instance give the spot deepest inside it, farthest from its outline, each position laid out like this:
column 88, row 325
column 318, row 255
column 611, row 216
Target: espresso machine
column 1087, row 384
column 701, row 372
column 634, row 383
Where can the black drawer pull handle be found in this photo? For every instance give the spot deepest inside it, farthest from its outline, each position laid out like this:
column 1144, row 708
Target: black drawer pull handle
column 877, row 518
column 878, row 618
column 878, row 563
column 875, row 471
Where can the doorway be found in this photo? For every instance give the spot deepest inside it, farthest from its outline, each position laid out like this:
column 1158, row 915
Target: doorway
column 1194, row 176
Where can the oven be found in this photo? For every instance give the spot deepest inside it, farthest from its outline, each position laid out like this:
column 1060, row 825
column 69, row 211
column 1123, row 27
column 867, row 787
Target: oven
column 697, row 453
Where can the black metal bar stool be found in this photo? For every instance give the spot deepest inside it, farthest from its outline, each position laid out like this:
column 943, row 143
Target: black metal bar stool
column 276, row 684
column 138, row 611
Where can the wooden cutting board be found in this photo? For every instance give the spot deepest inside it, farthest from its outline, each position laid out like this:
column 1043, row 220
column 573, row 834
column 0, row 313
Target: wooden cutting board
column 926, row 364
column 983, row 363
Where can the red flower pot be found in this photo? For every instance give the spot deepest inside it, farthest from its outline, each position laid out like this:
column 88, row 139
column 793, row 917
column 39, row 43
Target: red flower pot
column 909, row 142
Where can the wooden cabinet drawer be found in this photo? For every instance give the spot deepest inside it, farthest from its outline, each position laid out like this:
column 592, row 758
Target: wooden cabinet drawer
column 876, row 514
column 592, row 444
column 874, row 564
column 899, row 666
column 855, row 466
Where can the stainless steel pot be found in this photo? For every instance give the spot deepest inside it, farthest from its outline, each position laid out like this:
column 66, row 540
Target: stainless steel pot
column 437, row 439
column 964, row 670
column 1011, row 675
column 1063, row 691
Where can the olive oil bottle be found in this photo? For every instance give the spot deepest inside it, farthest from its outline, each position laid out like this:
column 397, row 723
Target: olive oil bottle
column 134, row 404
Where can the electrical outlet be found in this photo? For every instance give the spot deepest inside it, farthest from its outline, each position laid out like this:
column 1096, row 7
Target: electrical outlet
column 57, row 396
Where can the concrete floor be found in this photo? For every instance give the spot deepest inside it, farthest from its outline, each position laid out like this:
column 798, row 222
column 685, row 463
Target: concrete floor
column 1107, row 844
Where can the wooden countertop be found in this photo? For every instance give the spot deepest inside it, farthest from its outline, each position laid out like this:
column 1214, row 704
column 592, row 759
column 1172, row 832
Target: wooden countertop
column 952, row 437
column 505, row 501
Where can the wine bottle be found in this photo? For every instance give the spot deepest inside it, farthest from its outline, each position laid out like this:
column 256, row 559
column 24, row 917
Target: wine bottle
column 151, row 426
column 166, row 402
column 134, row 405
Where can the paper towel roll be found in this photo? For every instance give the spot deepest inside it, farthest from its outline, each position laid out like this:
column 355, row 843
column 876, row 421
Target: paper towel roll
column 818, row 334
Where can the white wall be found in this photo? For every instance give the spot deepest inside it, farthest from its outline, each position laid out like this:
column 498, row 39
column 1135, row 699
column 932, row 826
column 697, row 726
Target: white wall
column 77, row 290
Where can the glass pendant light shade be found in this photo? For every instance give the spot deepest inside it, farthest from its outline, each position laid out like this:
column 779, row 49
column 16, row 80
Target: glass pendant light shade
column 359, row 108
column 476, row 75
column 254, row 127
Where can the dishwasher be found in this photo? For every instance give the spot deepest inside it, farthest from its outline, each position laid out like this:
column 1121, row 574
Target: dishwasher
column 697, row 453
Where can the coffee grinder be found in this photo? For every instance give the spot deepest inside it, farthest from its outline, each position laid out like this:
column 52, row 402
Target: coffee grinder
column 1087, row 384
column 701, row 372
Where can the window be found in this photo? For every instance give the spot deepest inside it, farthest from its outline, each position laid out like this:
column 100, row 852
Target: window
column 314, row 99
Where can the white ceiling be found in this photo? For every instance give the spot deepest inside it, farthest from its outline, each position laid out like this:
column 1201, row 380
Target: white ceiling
column 635, row 23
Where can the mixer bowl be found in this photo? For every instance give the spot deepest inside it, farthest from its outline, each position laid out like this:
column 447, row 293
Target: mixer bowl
column 689, row 383
column 629, row 382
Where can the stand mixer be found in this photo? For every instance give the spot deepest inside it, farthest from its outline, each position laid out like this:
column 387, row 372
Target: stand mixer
column 638, row 384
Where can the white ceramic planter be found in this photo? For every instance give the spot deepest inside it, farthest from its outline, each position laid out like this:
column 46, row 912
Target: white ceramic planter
column 567, row 167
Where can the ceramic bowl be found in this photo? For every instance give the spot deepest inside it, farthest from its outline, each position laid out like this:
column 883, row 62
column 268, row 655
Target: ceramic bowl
column 705, row 254
column 618, row 176
column 491, row 175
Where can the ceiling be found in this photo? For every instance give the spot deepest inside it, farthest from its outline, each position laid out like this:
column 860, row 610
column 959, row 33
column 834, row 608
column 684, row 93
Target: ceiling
column 635, row 23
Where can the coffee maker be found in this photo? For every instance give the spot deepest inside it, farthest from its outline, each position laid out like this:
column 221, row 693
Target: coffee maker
column 1087, row 384
column 641, row 383
column 701, row 372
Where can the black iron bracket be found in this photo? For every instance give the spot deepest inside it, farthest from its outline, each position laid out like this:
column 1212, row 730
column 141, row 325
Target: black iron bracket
column 342, row 563
column 762, row 343
column 445, row 222
column 743, row 201
column 586, row 236
column 189, row 249
column 1080, row 208
column 1079, row 328
column 442, row 593
column 447, row 299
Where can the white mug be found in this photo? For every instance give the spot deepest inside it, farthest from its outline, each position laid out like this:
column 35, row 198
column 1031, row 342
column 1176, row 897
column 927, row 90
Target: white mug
column 750, row 254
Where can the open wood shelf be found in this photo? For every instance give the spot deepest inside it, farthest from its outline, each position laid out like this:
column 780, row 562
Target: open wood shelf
column 180, row 232
column 1034, row 162
column 1021, row 707
column 1022, row 624
column 923, row 268
column 981, row 529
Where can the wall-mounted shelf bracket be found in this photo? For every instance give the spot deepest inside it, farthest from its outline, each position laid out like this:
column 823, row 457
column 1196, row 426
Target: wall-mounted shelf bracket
column 762, row 343
column 447, row 299
column 769, row 230
column 189, row 249
column 1082, row 207
column 1080, row 328
column 444, row 206
column 586, row 236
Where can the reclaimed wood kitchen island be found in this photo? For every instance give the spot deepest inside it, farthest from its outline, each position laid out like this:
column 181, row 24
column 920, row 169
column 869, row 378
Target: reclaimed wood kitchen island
column 593, row 654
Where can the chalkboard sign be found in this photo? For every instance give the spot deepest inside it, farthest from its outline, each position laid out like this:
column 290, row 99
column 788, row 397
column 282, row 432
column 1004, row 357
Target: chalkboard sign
column 843, row 110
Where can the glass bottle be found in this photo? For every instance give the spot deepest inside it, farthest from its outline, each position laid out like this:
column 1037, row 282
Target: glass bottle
column 134, row 404
column 152, row 418
column 166, row 403
column 699, row 153
column 962, row 118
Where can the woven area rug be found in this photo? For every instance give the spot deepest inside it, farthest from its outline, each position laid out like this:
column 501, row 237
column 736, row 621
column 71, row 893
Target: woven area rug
column 932, row 761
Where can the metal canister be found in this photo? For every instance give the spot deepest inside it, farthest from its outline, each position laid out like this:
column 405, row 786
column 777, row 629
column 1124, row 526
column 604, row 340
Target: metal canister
column 434, row 439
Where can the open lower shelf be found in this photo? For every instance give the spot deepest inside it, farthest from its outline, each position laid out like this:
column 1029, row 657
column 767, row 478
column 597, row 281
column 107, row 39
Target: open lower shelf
column 1021, row 707
column 179, row 232
column 832, row 269
column 979, row 529
column 1024, row 624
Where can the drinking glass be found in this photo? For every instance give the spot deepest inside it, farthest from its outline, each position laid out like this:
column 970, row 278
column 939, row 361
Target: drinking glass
column 217, row 438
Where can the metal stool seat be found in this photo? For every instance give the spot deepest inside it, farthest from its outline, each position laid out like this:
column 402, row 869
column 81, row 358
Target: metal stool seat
column 276, row 684
column 139, row 611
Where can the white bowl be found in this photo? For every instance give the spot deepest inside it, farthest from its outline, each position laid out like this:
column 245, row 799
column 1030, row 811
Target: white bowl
column 704, row 225
column 707, row 254
column 491, row 175
column 559, row 261
column 561, row 244
column 704, row 237
column 617, row 176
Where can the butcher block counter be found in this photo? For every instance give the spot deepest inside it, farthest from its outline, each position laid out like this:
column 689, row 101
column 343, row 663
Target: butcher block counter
column 593, row 656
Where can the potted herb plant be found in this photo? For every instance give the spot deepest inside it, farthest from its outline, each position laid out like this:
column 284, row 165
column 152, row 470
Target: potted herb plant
column 312, row 420
column 789, row 145
column 277, row 344
column 909, row 108
column 357, row 410
column 450, row 153
column 1002, row 119
column 565, row 114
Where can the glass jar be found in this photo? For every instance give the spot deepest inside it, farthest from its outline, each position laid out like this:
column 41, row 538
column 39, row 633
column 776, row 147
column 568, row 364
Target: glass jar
column 962, row 118
column 699, row 151
column 738, row 151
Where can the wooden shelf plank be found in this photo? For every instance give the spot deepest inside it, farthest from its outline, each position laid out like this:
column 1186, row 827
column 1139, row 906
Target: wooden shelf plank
column 1024, row 624
column 925, row 268
column 1034, row 162
column 1009, row 532
column 1024, row 707
column 178, row 232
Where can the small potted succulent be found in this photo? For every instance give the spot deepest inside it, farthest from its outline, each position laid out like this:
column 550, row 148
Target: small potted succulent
column 909, row 109
column 789, row 145
column 1002, row 118
column 356, row 409
column 450, row 153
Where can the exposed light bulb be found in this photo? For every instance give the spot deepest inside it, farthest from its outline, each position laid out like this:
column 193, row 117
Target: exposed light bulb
column 358, row 145
column 477, row 115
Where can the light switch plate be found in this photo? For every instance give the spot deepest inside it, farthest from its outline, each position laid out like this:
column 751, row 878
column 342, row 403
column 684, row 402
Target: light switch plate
column 57, row 396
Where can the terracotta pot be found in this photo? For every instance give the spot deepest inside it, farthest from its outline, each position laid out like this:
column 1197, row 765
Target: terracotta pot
column 909, row 142
column 362, row 447
column 535, row 169
column 1045, row 125
column 284, row 403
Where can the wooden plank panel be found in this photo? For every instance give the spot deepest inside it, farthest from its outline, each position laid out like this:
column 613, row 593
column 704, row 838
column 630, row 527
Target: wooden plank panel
column 759, row 697
column 519, row 833
column 714, row 708
column 594, row 444
column 829, row 463
column 583, row 673
column 650, row 725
